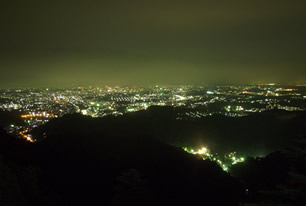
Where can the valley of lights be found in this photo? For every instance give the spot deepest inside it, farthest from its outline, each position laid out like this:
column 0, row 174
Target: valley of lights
column 225, row 162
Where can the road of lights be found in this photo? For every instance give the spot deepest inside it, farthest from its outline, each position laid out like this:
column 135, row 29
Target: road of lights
column 24, row 134
column 32, row 120
column 229, row 159
column 37, row 115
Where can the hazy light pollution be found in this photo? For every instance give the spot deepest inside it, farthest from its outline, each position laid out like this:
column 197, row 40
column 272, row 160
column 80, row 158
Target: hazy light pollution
column 60, row 43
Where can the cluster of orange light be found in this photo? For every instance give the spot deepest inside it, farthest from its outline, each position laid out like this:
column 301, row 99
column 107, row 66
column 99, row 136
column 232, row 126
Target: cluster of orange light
column 26, row 136
column 288, row 90
column 25, row 116
column 247, row 92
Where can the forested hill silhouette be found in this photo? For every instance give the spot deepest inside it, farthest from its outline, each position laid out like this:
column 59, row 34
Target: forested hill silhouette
column 126, row 160
column 83, row 162
column 254, row 135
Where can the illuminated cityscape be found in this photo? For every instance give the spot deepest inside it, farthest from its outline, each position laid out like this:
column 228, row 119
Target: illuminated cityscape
column 38, row 106
column 153, row 103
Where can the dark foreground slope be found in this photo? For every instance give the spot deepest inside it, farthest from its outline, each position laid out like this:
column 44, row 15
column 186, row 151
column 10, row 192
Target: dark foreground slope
column 126, row 161
column 81, row 162
column 277, row 179
column 254, row 135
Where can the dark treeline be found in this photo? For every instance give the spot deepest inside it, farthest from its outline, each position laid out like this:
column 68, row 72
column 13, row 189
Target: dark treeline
column 254, row 135
column 124, row 161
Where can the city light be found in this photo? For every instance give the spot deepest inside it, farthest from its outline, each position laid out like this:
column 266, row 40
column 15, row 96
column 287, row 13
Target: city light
column 224, row 162
column 37, row 115
column 40, row 105
column 26, row 136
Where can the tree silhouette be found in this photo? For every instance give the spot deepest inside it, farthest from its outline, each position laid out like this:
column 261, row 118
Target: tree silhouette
column 131, row 189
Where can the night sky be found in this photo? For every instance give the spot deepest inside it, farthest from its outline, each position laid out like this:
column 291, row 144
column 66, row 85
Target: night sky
column 62, row 43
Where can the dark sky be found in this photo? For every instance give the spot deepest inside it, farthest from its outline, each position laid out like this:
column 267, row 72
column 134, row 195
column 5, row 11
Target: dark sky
column 60, row 43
